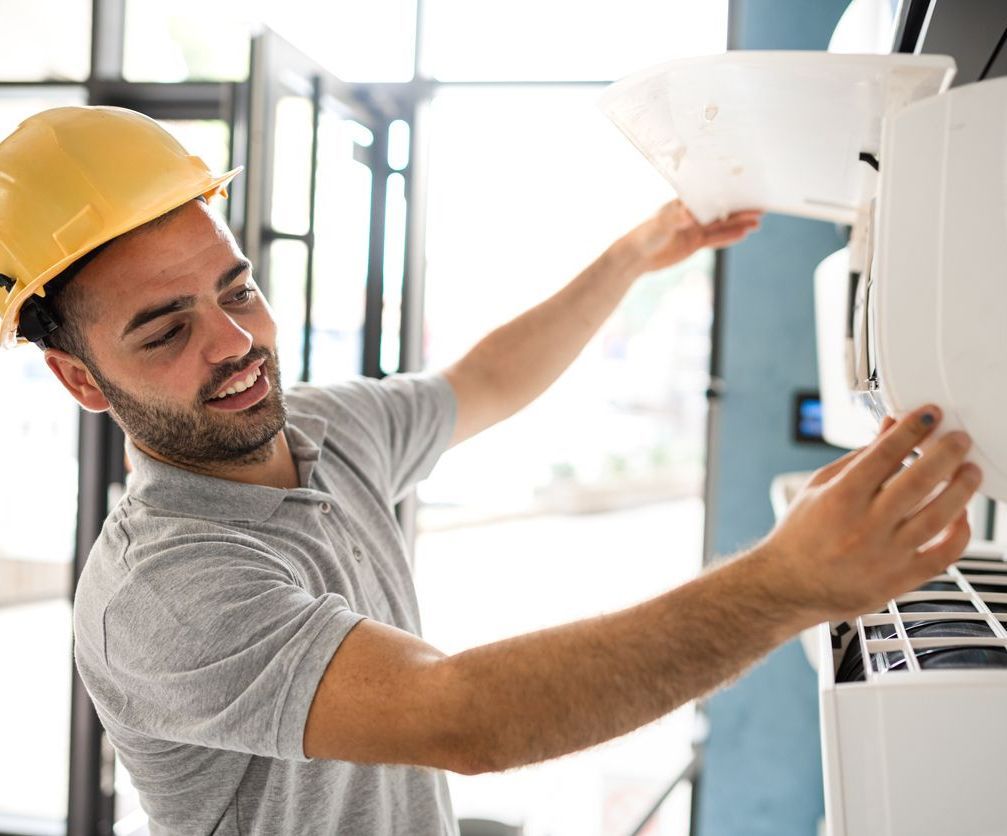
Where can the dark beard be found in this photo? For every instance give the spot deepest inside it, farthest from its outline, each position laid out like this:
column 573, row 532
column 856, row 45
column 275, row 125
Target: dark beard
column 200, row 436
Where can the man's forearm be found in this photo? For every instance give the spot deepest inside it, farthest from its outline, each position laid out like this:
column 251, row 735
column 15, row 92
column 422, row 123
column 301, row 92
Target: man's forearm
column 518, row 361
column 853, row 538
column 545, row 694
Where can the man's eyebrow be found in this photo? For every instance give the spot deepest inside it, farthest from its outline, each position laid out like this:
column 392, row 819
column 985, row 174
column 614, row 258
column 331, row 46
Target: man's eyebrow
column 182, row 302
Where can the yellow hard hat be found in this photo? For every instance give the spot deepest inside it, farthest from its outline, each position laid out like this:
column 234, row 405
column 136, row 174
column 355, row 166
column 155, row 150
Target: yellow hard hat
column 72, row 178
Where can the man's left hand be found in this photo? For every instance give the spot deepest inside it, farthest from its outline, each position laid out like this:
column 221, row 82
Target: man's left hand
column 673, row 234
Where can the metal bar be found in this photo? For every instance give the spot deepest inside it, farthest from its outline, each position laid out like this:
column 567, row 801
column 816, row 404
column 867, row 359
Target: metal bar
column 309, row 277
column 269, row 235
column 238, row 188
column 419, row 34
column 414, row 272
column 413, row 280
column 108, row 31
column 374, row 293
column 686, row 774
column 697, row 780
column 91, row 802
column 258, row 176
column 909, row 24
column 421, row 88
column 177, row 100
column 714, row 393
column 31, row 87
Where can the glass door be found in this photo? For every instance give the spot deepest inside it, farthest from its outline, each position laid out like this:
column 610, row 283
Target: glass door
column 314, row 222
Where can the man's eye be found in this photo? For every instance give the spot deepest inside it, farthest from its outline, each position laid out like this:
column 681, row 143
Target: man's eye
column 168, row 337
column 244, row 295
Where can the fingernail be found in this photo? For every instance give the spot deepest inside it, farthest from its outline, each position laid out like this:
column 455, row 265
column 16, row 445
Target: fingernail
column 927, row 418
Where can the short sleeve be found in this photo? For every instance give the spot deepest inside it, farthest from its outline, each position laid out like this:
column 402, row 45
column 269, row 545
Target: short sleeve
column 215, row 645
column 420, row 413
column 395, row 429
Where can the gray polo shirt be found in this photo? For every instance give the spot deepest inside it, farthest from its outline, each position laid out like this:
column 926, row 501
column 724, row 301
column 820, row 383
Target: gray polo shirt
column 209, row 609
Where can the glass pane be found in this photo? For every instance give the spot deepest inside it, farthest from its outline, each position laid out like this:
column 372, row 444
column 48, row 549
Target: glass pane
column 288, row 267
column 292, row 165
column 526, row 189
column 209, row 139
column 18, row 104
column 372, row 41
column 187, row 40
column 342, row 235
column 36, row 50
column 36, row 567
column 394, row 264
column 565, row 39
column 398, row 145
column 36, row 560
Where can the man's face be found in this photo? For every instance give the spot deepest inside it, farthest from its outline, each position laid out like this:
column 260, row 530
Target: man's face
column 175, row 322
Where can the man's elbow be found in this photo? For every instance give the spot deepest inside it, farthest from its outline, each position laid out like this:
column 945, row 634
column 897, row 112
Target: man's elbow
column 466, row 739
column 472, row 757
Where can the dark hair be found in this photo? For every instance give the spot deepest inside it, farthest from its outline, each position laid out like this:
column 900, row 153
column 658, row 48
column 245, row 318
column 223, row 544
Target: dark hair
column 67, row 304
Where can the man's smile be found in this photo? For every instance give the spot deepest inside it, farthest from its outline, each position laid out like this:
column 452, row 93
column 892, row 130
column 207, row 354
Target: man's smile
column 243, row 391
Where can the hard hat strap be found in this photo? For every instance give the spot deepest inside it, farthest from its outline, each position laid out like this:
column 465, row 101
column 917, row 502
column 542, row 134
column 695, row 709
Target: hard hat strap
column 36, row 321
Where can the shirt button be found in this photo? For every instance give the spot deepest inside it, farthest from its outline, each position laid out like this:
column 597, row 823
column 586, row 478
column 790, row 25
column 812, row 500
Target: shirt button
column 357, row 553
column 325, row 507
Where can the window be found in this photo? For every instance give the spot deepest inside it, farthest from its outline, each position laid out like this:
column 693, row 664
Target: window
column 37, row 531
column 187, row 40
column 372, row 41
column 40, row 51
column 565, row 39
column 589, row 499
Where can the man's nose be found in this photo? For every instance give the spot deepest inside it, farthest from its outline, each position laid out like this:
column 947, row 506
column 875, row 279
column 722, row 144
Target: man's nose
column 225, row 339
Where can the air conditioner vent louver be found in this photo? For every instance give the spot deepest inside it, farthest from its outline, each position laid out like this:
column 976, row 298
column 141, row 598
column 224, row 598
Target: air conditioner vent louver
column 912, row 708
column 955, row 621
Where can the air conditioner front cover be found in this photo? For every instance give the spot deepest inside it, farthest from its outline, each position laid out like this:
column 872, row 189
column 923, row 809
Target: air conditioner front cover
column 779, row 131
column 941, row 296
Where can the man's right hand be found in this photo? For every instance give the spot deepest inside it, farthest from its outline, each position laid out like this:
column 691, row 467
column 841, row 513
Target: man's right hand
column 866, row 529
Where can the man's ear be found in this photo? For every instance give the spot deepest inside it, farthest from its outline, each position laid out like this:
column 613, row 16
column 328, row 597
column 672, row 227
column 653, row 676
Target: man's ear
column 74, row 375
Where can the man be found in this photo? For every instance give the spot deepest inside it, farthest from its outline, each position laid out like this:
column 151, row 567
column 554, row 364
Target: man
column 246, row 623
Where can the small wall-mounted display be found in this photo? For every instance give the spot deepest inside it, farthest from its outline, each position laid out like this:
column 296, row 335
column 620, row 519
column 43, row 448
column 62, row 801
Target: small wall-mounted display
column 807, row 418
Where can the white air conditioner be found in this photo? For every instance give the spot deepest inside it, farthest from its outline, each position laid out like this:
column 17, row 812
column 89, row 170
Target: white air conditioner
column 912, row 709
column 913, row 311
column 803, row 134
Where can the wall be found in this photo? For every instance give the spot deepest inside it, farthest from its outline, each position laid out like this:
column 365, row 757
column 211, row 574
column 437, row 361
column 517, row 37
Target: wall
column 762, row 773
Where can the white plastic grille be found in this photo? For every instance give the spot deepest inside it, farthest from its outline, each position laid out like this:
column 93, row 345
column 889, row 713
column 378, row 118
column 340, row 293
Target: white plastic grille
column 978, row 580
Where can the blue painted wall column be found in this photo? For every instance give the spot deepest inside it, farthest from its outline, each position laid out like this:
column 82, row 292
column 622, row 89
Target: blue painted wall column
column 762, row 772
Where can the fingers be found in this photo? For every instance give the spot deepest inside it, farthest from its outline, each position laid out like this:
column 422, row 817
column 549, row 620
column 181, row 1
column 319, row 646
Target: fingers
column 944, row 510
column 832, row 469
column 676, row 215
column 743, row 216
column 915, row 483
column 935, row 559
column 737, row 221
column 726, row 237
column 883, row 456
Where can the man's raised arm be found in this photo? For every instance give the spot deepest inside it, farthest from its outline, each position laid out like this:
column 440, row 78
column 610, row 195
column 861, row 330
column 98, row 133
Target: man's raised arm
column 518, row 361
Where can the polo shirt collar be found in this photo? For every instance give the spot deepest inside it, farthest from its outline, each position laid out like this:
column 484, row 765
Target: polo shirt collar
column 175, row 489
